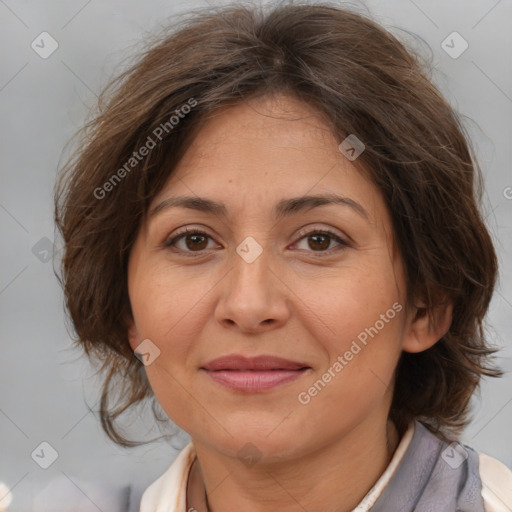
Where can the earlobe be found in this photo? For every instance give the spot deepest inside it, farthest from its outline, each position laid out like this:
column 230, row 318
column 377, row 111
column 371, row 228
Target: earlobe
column 426, row 330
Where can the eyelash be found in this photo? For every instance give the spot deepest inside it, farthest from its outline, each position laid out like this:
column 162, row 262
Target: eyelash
column 171, row 242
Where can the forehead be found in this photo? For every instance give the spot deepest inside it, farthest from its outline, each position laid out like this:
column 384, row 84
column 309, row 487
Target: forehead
column 252, row 154
column 264, row 125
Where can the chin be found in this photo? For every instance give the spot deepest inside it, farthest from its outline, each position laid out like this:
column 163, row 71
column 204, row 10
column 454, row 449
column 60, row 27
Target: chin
column 262, row 441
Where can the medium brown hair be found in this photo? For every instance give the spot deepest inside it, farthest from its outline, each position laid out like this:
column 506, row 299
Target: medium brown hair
column 363, row 81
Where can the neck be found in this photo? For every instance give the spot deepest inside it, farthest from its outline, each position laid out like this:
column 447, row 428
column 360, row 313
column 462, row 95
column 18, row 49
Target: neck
column 334, row 477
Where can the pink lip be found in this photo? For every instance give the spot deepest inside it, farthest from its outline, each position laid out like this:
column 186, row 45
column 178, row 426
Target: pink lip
column 253, row 374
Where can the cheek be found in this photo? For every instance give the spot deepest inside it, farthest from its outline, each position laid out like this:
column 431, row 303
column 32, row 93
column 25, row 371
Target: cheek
column 162, row 314
column 178, row 399
column 359, row 373
column 162, row 301
column 344, row 305
column 168, row 315
column 358, row 320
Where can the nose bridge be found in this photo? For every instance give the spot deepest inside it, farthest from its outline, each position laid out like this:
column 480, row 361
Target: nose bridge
column 251, row 273
column 251, row 297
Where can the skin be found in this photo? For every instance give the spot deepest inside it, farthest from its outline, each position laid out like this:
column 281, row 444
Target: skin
column 290, row 302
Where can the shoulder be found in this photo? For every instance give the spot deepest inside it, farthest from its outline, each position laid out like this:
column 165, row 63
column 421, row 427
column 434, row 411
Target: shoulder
column 496, row 484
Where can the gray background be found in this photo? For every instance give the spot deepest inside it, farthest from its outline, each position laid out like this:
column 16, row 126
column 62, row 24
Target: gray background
column 45, row 383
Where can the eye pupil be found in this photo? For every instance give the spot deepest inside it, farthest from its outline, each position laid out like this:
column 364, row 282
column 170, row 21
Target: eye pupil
column 322, row 246
column 195, row 237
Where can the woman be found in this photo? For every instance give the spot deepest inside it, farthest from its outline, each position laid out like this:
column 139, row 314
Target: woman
column 276, row 212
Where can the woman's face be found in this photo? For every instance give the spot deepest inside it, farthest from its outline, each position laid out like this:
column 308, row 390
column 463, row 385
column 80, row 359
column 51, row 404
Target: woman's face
column 262, row 278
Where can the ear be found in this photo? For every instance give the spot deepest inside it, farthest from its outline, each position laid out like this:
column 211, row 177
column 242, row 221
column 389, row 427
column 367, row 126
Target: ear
column 424, row 332
column 133, row 335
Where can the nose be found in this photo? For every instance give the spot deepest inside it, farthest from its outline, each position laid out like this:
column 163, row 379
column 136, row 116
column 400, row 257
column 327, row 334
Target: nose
column 253, row 298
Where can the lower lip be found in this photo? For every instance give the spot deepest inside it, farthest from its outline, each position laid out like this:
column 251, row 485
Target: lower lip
column 253, row 381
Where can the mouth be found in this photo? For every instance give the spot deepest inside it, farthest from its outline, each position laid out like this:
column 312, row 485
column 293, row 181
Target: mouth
column 254, row 374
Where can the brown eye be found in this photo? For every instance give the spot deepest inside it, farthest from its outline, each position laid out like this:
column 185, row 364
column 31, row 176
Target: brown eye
column 194, row 241
column 319, row 241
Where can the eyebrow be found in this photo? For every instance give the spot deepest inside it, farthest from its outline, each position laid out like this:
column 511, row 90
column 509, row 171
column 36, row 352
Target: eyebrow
column 283, row 208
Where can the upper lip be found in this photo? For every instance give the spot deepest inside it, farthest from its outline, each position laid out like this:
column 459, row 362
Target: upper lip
column 263, row 362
